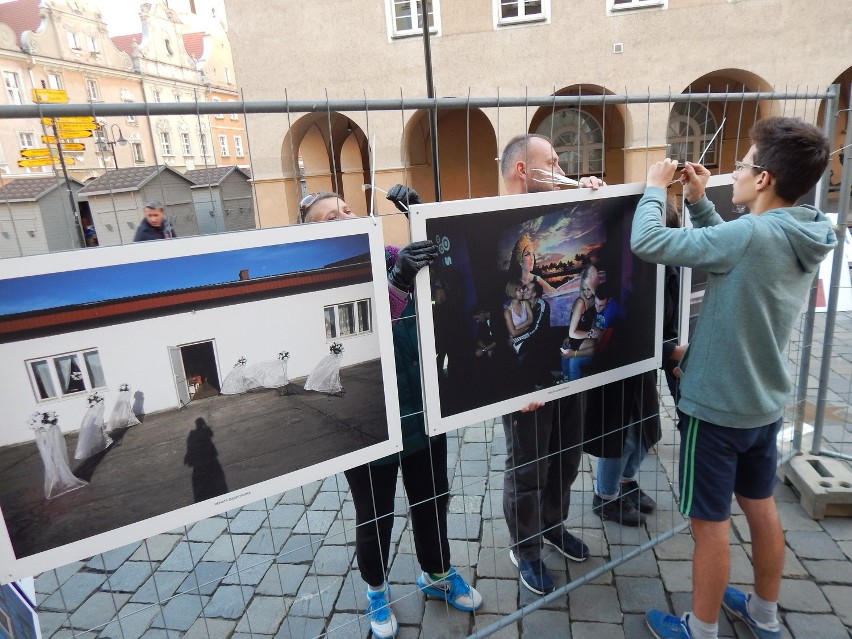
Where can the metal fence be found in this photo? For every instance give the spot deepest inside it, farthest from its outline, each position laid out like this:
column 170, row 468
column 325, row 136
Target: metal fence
column 284, row 567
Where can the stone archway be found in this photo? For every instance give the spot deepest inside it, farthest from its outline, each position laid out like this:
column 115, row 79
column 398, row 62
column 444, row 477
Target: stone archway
column 738, row 117
column 589, row 139
column 325, row 152
column 467, row 152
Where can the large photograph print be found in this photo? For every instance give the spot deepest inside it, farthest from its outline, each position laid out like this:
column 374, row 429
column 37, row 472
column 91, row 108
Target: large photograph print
column 532, row 298
column 152, row 385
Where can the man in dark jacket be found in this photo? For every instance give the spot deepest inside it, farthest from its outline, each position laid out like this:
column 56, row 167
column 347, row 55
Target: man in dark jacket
column 155, row 226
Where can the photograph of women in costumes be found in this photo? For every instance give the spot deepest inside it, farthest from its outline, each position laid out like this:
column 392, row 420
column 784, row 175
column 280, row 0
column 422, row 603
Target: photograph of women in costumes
column 537, row 268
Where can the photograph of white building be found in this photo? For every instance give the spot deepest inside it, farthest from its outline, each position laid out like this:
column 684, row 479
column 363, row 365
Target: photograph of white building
column 172, row 327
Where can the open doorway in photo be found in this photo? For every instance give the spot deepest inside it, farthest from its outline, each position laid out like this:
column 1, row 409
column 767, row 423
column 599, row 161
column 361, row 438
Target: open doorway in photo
column 196, row 371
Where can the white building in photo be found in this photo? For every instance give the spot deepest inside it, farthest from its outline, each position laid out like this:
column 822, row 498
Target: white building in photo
column 165, row 344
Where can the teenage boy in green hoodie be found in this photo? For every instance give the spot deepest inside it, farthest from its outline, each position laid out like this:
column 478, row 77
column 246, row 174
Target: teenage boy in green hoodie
column 735, row 382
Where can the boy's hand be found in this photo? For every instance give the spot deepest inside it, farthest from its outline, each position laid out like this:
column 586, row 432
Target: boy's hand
column 694, row 178
column 661, row 173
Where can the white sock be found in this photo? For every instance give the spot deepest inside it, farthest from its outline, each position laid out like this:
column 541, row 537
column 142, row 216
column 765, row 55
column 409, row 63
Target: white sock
column 762, row 611
column 701, row 630
column 377, row 588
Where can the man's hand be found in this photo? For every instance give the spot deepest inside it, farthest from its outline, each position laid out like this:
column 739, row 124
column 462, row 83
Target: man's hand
column 694, row 179
column 531, row 407
column 403, row 197
column 591, row 182
column 409, row 261
column 661, row 173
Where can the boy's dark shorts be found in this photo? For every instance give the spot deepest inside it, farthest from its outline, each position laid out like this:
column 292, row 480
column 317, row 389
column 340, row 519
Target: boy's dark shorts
column 717, row 461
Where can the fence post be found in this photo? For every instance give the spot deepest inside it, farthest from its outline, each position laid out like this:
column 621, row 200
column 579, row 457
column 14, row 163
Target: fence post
column 831, row 311
column 830, row 119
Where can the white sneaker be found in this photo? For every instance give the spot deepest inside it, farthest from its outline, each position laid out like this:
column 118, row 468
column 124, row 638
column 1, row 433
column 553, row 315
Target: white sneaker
column 382, row 620
column 453, row 589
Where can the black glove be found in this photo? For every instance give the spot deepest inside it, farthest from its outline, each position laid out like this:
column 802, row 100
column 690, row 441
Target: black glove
column 409, row 261
column 403, row 197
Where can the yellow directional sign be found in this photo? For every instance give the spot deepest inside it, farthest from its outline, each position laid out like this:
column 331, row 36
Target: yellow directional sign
column 43, row 153
column 77, row 127
column 44, row 162
column 70, row 121
column 48, row 139
column 56, row 96
column 64, row 134
column 38, row 153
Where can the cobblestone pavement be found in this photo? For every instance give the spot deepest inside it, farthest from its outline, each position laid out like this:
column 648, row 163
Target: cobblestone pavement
column 284, row 567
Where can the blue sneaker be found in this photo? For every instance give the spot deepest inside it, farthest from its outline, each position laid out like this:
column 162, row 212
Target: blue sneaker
column 453, row 589
column 666, row 626
column 534, row 574
column 382, row 620
column 735, row 602
column 567, row 544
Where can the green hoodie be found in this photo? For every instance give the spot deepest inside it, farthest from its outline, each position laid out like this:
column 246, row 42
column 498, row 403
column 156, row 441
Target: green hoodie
column 760, row 269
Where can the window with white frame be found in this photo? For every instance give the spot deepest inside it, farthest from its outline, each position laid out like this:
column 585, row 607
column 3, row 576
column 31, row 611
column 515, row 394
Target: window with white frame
column 349, row 318
column 54, row 81
column 27, row 139
column 92, row 89
column 157, row 96
column 514, row 11
column 218, row 116
column 131, row 119
column 13, row 87
column 165, row 143
column 92, row 44
column 238, row 146
column 618, row 5
column 177, row 96
column 73, row 41
column 234, row 116
column 184, row 141
column 578, row 140
column 138, row 155
column 223, row 146
column 691, row 130
column 205, row 148
column 406, row 19
column 57, row 376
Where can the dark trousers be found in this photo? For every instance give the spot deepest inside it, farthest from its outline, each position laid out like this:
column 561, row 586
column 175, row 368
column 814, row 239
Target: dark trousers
column 424, row 476
column 543, row 451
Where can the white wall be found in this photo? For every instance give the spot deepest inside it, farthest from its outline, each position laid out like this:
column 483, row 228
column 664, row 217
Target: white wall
column 136, row 352
column 16, row 220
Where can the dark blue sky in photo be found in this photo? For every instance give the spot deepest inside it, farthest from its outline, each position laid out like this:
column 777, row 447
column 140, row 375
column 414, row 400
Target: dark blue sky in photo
column 54, row 290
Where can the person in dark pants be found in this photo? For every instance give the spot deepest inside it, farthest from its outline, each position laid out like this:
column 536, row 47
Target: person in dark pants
column 543, row 442
column 735, row 380
column 155, row 225
column 423, row 460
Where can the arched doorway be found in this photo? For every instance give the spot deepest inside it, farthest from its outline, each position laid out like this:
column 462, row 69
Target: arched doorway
column 839, row 156
column 589, row 139
column 693, row 125
column 326, row 152
column 467, row 152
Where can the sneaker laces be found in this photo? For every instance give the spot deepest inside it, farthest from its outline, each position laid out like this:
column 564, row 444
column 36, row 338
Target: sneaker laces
column 454, row 584
column 458, row 586
column 378, row 608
